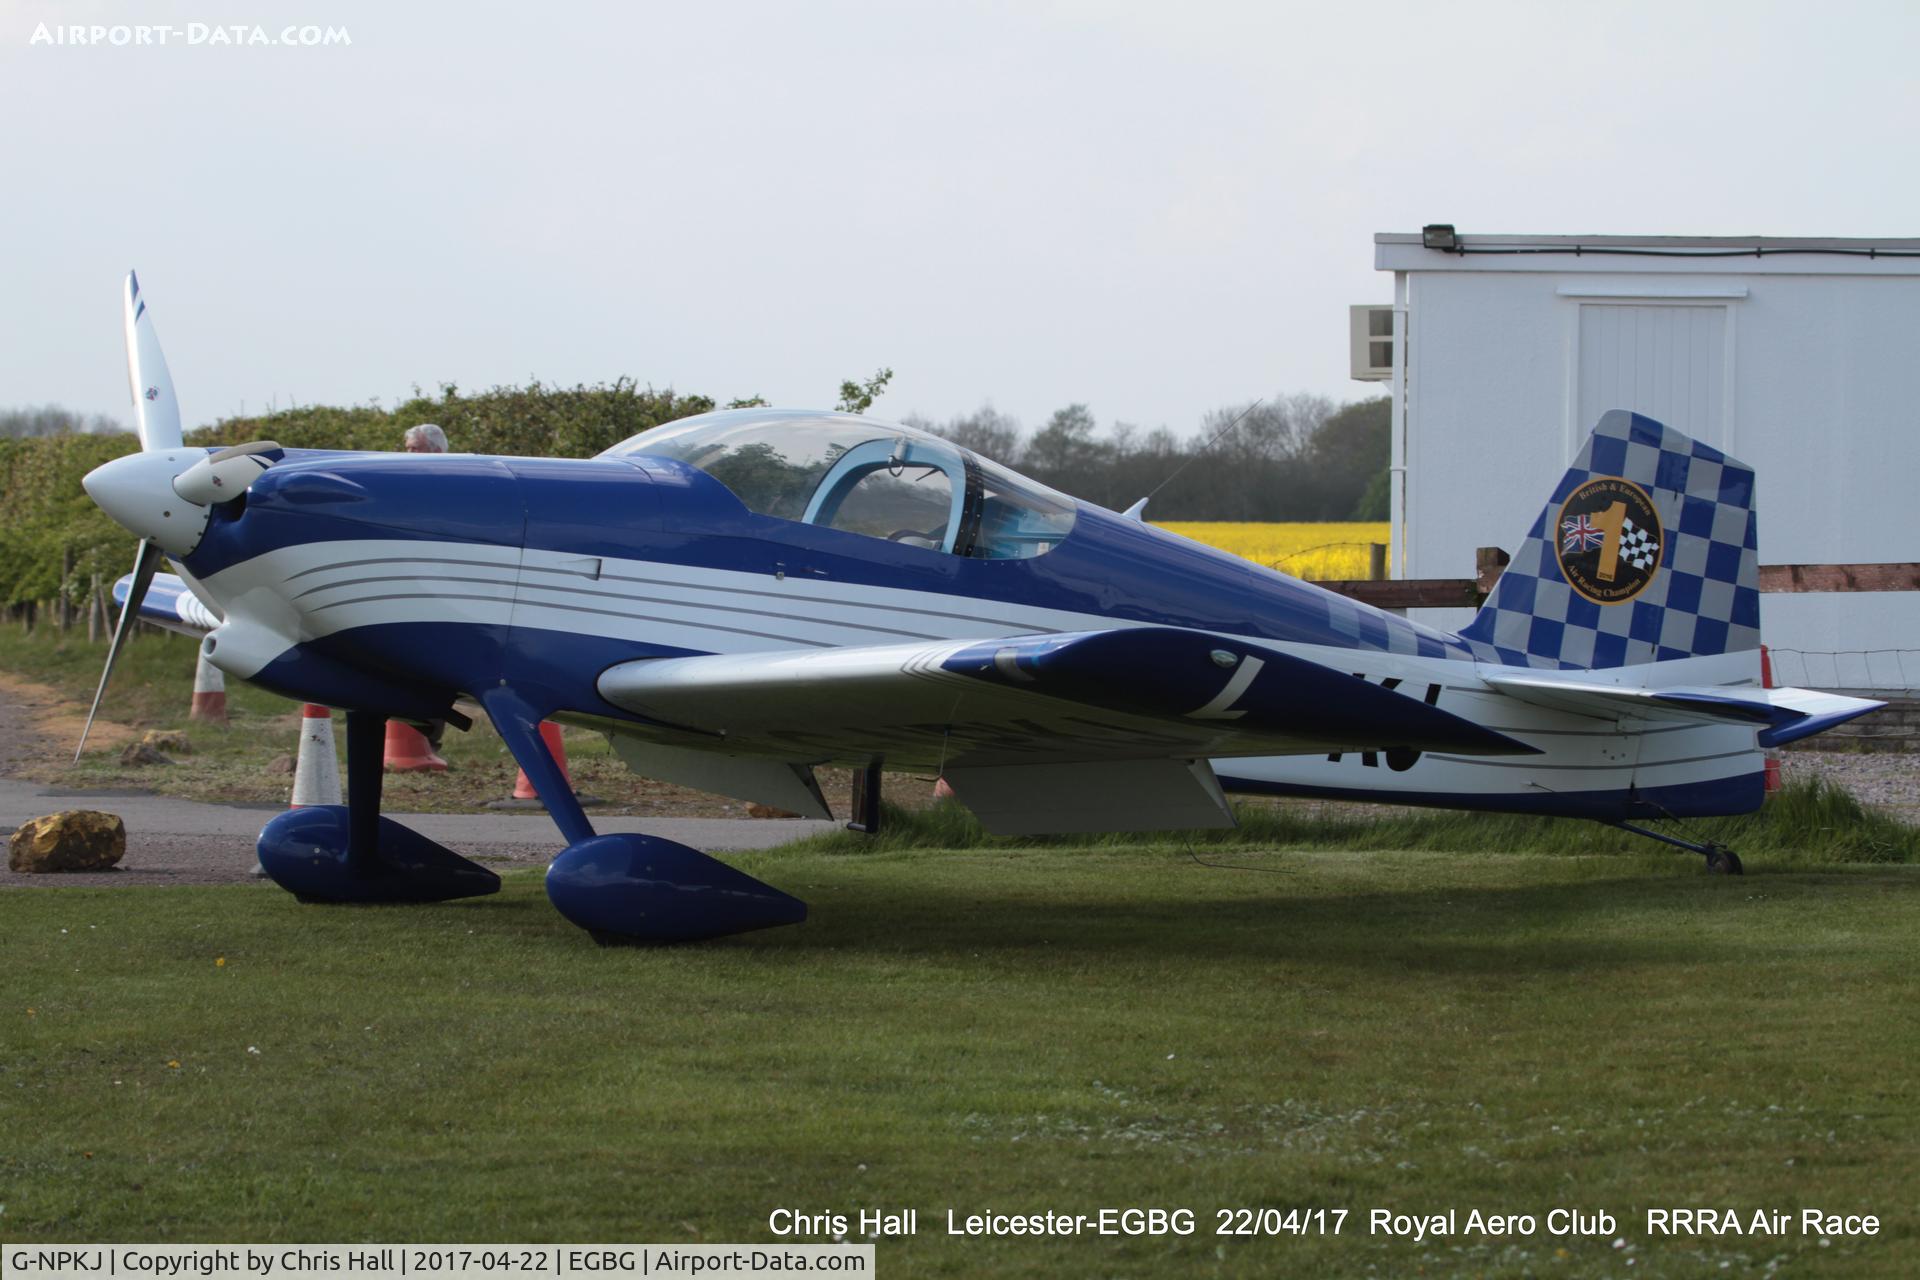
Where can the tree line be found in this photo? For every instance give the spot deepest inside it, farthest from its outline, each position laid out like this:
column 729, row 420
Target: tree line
column 52, row 420
column 1289, row 457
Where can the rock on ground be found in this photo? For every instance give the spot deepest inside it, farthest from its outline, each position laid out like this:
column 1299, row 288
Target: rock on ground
column 140, row 753
column 167, row 741
column 72, row 840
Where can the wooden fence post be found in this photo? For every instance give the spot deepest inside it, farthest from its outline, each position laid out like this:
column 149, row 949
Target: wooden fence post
column 66, row 590
column 1488, row 562
column 1376, row 561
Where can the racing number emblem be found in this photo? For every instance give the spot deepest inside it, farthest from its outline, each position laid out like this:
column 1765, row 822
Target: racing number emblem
column 1609, row 540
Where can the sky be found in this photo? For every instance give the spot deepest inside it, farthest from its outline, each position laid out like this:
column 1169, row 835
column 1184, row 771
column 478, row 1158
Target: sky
column 1152, row 209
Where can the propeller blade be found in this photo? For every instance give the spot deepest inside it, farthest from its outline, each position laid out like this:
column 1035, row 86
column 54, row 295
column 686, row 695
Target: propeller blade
column 144, row 565
column 156, row 413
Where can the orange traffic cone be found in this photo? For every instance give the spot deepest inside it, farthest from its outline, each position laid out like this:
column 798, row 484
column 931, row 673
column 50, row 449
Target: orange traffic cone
column 209, row 693
column 316, row 771
column 550, row 734
column 524, row 796
column 1772, row 774
column 408, row 751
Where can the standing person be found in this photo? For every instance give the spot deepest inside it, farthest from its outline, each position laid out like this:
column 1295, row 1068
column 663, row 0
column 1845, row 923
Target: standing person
column 425, row 438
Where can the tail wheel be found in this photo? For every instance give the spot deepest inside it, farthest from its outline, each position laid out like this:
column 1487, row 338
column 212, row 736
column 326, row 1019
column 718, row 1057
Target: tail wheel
column 1722, row 861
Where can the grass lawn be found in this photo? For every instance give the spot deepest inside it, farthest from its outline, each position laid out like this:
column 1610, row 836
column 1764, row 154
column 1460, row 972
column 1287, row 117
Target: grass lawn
column 1006, row 1028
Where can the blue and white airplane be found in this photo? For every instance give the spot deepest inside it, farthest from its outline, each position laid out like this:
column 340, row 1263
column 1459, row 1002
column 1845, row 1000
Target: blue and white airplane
column 738, row 598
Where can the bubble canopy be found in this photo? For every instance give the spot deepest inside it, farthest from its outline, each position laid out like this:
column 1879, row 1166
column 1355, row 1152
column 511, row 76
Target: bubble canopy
column 860, row 475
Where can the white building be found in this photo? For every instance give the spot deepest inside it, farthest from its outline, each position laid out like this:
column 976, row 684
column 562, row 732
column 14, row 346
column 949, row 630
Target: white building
column 1799, row 357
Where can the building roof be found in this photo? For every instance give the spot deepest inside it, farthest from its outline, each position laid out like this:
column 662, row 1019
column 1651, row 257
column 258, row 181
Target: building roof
column 1711, row 255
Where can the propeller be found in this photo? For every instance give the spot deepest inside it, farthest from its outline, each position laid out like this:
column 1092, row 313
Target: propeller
column 145, row 562
column 157, row 418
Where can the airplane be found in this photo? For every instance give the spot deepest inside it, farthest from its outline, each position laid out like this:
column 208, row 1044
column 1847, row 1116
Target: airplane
column 738, row 598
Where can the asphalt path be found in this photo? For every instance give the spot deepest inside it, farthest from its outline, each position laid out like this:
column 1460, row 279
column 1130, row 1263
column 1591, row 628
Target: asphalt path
column 173, row 841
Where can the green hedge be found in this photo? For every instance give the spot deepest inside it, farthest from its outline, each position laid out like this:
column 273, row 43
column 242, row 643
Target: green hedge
column 47, row 512
column 529, row 421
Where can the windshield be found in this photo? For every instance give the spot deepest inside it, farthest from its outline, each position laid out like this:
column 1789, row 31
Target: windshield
column 1018, row 518
column 772, row 461
column 863, row 476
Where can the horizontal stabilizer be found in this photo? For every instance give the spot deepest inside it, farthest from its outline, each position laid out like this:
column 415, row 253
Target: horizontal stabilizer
column 1781, row 715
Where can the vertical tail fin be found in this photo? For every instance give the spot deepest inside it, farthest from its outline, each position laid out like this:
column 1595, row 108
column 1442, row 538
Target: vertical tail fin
column 1646, row 552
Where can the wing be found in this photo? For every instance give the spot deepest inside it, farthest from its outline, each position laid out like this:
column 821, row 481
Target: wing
column 1030, row 729
column 169, row 603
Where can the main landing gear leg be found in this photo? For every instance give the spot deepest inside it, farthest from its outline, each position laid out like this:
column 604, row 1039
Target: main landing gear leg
column 350, row 853
column 1721, row 861
column 866, row 800
column 626, row 888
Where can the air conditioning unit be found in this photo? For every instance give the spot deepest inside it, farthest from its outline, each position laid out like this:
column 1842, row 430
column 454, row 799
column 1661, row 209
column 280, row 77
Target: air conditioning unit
column 1370, row 342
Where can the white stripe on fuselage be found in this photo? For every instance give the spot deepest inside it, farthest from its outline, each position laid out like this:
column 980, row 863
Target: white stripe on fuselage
column 308, row 591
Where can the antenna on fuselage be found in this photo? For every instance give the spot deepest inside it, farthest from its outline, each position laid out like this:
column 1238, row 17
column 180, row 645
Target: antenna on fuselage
column 1138, row 511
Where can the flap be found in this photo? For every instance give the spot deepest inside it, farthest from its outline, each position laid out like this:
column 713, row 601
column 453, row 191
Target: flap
column 770, row 782
column 1124, row 795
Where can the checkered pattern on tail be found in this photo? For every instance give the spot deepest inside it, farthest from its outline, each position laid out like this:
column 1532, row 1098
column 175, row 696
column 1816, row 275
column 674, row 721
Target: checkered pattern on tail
column 1704, row 597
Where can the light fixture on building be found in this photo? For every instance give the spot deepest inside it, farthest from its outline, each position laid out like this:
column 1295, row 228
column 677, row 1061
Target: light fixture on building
column 1439, row 235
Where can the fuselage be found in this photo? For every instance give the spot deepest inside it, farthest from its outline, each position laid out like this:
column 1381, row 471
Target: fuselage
column 395, row 582
column 737, row 597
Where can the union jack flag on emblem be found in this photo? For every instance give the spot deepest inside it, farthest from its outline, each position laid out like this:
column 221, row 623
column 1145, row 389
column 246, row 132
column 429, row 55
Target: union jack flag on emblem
column 1579, row 534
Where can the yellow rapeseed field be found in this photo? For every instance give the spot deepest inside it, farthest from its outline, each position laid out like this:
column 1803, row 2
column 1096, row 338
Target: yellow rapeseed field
column 1301, row 548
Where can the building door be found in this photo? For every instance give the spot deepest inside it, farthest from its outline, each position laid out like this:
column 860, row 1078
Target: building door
column 1667, row 362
